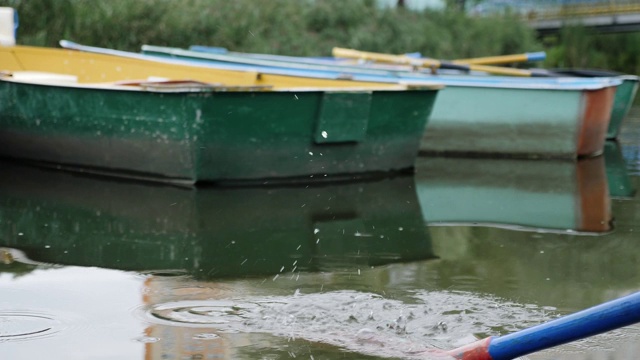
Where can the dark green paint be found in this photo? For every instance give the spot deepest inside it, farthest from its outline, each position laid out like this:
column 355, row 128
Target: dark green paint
column 343, row 118
column 211, row 136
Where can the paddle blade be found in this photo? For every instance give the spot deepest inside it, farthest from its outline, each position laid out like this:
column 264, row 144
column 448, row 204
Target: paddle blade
column 596, row 320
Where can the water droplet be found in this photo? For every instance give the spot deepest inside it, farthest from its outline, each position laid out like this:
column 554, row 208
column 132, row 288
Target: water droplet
column 365, row 334
column 206, row 336
column 147, row 339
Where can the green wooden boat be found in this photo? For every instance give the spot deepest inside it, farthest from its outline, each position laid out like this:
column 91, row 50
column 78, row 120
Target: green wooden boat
column 209, row 232
column 625, row 95
column 175, row 129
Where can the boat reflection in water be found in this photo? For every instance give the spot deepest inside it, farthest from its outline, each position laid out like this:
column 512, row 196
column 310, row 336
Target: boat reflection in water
column 552, row 196
column 214, row 235
column 258, row 234
column 209, row 232
column 574, row 242
column 620, row 184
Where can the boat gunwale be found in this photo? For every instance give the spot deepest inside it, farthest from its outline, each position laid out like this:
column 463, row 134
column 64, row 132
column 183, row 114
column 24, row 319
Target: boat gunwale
column 508, row 82
column 139, row 86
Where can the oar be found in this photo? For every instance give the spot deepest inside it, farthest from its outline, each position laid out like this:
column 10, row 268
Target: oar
column 432, row 63
column 503, row 59
column 598, row 319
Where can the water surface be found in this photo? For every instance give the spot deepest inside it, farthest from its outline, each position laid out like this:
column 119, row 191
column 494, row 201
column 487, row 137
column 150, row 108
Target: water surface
column 98, row 269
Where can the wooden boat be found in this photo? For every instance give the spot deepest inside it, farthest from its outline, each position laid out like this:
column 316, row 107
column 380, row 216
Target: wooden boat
column 131, row 117
column 498, row 116
column 209, row 232
column 624, row 97
column 542, row 196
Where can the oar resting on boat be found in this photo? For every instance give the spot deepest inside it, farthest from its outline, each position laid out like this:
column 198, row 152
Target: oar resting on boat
column 503, row 59
column 436, row 64
column 592, row 321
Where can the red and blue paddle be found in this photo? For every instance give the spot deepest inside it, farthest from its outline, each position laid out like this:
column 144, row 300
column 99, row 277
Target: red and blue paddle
column 598, row 319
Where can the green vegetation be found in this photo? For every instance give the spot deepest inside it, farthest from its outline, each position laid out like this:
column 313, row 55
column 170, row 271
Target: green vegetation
column 295, row 27
column 310, row 27
column 580, row 47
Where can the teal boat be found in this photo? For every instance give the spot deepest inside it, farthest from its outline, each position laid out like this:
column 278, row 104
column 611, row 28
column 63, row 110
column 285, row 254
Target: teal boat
column 625, row 95
column 69, row 219
column 187, row 124
column 564, row 117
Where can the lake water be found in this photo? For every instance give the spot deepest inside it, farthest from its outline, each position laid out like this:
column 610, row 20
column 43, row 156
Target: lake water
column 466, row 248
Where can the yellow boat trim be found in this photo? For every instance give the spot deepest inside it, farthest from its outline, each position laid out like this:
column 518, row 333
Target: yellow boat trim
column 99, row 68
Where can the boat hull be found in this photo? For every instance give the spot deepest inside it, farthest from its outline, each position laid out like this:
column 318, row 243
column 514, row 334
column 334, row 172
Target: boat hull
column 479, row 115
column 214, row 136
column 536, row 123
column 625, row 94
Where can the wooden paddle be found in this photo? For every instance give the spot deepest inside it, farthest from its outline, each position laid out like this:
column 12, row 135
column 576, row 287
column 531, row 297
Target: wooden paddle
column 432, row 63
column 592, row 321
column 503, row 59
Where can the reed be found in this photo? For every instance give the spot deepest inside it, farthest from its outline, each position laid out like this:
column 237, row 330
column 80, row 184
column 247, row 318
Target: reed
column 311, row 28
column 292, row 27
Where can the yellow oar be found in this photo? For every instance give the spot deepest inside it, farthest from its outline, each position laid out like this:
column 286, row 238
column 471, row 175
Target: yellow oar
column 503, row 59
column 430, row 63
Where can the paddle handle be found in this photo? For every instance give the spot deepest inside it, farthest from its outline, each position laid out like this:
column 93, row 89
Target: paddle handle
column 429, row 63
column 598, row 319
column 387, row 58
column 592, row 321
column 504, row 59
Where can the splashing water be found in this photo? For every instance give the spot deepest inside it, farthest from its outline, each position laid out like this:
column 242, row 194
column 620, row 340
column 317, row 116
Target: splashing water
column 361, row 322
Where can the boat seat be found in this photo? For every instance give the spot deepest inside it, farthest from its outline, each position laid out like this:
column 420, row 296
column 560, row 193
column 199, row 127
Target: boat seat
column 41, row 77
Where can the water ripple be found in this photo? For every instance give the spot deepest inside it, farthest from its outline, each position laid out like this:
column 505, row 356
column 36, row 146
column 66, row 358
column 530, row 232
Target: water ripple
column 17, row 325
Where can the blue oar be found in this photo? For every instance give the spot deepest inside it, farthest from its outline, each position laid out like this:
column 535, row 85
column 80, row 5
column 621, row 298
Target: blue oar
column 598, row 319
